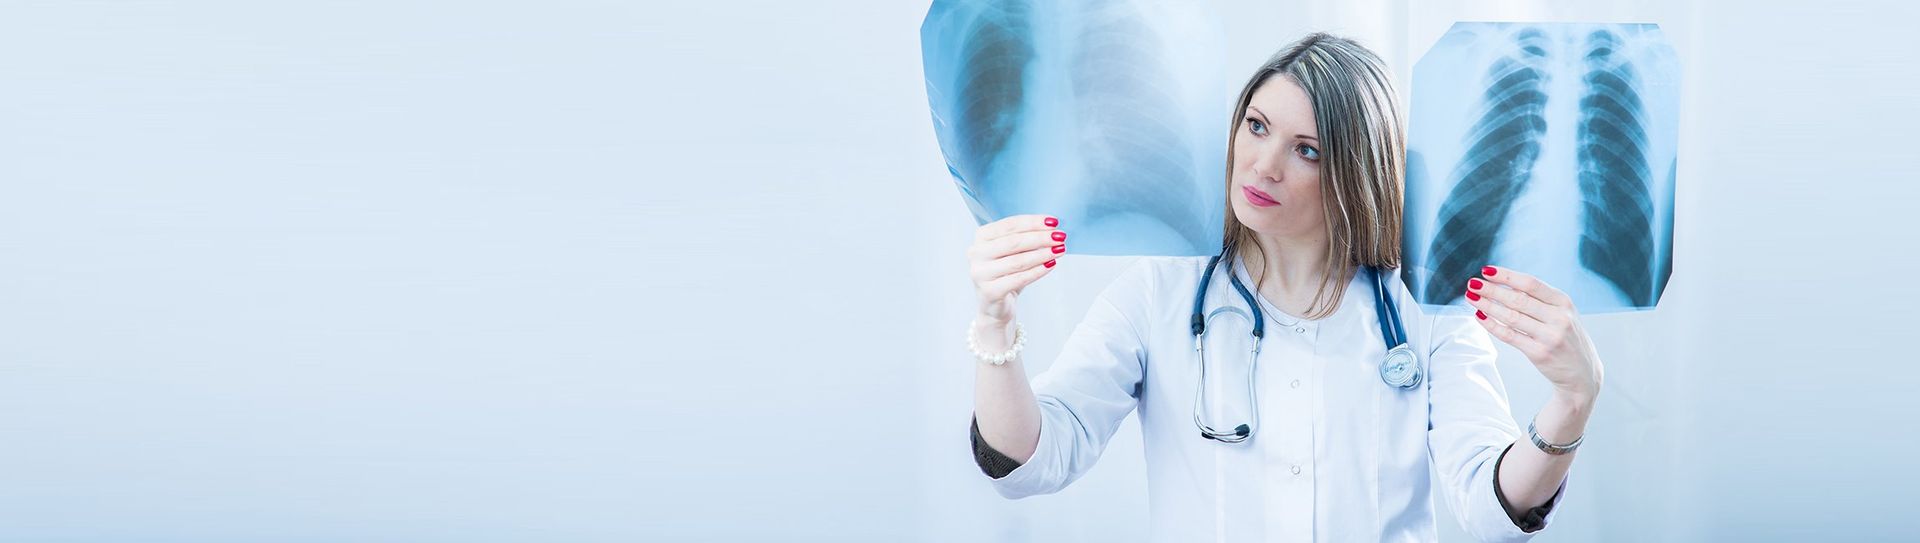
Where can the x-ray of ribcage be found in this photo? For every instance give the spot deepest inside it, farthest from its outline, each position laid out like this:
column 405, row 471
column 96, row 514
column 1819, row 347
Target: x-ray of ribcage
column 1548, row 148
column 1111, row 116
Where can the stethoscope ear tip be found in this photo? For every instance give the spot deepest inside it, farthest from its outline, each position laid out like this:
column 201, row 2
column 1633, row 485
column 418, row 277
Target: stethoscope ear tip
column 1242, row 430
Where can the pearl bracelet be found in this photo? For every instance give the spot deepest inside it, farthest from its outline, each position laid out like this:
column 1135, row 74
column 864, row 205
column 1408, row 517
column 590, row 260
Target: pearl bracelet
column 1019, row 342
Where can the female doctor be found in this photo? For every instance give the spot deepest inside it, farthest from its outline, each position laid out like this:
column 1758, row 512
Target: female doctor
column 1284, row 411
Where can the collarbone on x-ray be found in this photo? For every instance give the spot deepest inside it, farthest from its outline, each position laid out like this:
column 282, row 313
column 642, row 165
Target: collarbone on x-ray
column 1549, row 135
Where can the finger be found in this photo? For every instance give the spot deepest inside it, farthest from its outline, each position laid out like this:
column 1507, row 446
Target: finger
column 1525, row 343
column 1017, row 243
column 1516, row 300
column 1508, row 316
column 1020, row 261
column 1529, row 284
column 1015, row 281
column 1014, row 225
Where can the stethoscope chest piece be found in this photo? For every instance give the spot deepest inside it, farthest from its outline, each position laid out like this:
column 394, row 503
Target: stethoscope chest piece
column 1400, row 369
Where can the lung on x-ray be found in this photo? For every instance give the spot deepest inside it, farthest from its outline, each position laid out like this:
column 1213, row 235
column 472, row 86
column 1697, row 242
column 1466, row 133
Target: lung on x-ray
column 1548, row 148
column 1111, row 115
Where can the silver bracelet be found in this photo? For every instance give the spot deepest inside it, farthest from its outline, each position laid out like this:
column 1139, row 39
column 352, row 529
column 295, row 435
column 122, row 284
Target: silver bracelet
column 1550, row 448
column 1019, row 342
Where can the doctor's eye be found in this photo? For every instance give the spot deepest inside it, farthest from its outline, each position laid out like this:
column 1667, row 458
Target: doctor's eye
column 1256, row 127
column 1308, row 152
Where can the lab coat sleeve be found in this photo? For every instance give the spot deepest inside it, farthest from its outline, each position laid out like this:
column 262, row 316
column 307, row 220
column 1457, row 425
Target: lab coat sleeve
column 1470, row 427
column 1089, row 389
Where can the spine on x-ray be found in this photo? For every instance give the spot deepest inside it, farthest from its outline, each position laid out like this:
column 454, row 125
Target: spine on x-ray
column 1125, row 105
column 1617, row 241
column 1501, row 150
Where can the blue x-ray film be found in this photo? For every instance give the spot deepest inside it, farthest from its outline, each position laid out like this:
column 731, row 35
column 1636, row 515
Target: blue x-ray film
column 1111, row 116
column 1549, row 148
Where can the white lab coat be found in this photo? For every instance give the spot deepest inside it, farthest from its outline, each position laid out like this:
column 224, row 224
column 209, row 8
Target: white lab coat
column 1338, row 455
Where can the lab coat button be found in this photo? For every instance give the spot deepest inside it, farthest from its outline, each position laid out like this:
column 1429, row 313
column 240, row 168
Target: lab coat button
column 1296, row 469
column 1300, row 329
column 1296, row 383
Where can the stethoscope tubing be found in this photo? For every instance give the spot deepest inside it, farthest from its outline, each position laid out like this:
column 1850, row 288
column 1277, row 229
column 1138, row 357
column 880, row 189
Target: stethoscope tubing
column 1399, row 369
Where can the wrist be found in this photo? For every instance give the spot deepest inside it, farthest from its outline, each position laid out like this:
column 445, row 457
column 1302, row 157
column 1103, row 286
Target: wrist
column 1564, row 417
column 1571, row 405
column 1580, row 393
column 995, row 343
column 1575, row 400
column 989, row 329
column 984, row 320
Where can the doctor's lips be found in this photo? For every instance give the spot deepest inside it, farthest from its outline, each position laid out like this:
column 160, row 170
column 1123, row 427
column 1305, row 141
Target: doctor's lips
column 1257, row 198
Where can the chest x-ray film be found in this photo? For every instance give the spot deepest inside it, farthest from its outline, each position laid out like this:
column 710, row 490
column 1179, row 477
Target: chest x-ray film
column 1111, row 115
column 1549, row 149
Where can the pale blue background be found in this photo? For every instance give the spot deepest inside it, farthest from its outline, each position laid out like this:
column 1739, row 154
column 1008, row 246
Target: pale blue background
column 598, row 271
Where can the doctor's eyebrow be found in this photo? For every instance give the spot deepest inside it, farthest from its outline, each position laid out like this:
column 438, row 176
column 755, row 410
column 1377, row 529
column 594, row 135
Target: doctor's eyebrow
column 1263, row 118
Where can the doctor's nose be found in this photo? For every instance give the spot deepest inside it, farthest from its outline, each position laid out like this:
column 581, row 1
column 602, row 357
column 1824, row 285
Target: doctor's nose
column 1267, row 167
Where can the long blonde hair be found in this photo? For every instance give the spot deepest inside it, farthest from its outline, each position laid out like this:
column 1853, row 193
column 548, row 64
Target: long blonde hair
column 1363, row 150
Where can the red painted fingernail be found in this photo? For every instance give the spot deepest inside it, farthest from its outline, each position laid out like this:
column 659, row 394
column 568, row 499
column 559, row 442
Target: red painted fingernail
column 1472, row 296
column 1057, row 249
column 1488, row 271
column 1050, row 264
column 1482, row 315
column 1052, row 222
column 1474, row 284
column 1059, row 236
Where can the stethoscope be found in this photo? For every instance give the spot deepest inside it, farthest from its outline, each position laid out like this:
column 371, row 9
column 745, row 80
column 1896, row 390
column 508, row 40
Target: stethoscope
column 1399, row 369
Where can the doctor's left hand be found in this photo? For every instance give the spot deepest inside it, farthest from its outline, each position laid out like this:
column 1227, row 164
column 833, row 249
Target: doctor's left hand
column 1536, row 318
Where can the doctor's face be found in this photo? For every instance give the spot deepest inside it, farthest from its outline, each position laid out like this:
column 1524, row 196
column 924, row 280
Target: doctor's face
column 1276, row 164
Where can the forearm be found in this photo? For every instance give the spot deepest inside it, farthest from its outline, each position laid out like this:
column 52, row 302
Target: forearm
column 1529, row 477
column 1003, row 401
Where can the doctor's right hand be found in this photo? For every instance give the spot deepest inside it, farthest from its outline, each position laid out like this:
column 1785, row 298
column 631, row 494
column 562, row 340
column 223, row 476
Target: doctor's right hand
column 1009, row 254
